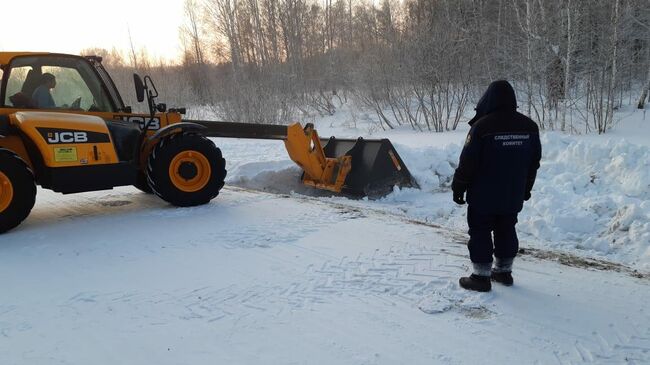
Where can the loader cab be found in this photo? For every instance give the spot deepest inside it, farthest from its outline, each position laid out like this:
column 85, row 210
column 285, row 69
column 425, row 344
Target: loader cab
column 82, row 84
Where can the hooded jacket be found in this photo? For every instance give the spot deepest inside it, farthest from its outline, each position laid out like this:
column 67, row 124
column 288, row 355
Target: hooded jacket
column 499, row 162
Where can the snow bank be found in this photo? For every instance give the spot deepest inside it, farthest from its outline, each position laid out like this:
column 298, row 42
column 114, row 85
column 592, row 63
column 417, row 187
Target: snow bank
column 594, row 196
column 591, row 196
column 592, row 193
column 588, row 196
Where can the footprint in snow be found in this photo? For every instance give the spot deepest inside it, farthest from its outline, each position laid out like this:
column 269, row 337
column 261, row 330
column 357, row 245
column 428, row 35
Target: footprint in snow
column 435, row 303
column 451, row 298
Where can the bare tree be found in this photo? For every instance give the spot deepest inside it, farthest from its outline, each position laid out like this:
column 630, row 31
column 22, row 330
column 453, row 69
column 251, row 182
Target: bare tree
column 416, row 63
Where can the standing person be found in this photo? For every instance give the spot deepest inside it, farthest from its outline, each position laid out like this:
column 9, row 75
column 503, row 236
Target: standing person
column 42, row 97
column 497, row 169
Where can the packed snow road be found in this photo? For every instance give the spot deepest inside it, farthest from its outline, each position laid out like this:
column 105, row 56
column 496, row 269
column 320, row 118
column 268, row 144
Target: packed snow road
column 120, row 277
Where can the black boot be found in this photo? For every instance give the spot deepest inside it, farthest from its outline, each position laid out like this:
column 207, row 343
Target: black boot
column 476, row 283
column 504, row 278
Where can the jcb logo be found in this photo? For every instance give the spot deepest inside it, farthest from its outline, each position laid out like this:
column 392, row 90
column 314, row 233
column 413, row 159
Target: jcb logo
column 61, row 136
column 67, row 137
column 142, row 121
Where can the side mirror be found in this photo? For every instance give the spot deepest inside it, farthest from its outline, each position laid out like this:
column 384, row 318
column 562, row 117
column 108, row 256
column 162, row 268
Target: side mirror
column 139, row 87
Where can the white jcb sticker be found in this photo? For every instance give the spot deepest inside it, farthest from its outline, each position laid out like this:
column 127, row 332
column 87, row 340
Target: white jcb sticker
column 67, row 137
column 142, row 121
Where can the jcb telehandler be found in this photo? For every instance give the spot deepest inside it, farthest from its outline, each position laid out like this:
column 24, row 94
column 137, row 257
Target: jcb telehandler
column 97, row 143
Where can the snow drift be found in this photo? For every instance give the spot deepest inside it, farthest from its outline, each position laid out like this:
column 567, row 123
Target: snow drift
column 589, row 196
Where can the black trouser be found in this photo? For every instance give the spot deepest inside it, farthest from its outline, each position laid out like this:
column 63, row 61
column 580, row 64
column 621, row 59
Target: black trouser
column 480, row 244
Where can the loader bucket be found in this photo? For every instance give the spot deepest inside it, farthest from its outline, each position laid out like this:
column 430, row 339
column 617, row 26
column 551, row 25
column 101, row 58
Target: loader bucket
column 376, row 166
column 359, row 167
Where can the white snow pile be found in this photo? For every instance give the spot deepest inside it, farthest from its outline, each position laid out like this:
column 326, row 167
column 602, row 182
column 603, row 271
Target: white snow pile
column 587, row 196
column 594, row 195
column 590, row 197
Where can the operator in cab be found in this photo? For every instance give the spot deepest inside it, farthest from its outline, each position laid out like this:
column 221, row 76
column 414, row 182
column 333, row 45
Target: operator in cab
column 42, row 96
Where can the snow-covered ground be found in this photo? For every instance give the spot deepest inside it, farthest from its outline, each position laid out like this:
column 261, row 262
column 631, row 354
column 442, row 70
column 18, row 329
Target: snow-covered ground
column 289, row 276
column 120, row 277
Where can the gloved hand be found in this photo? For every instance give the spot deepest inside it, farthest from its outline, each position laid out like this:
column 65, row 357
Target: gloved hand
column 459, row 192
column 459, row 197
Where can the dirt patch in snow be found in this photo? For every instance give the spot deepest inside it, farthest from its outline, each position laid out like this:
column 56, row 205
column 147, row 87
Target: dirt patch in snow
column 115, row 203
column 582, row 262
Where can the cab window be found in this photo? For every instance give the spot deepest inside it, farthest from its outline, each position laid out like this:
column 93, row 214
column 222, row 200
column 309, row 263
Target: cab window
column 16, row 82
column 55, row 82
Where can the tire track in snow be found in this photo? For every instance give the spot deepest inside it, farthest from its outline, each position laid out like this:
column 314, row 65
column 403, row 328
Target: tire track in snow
column 630, row 347
column 401, row 275
column 406, row 274
column 397, row 276
column 460, row 237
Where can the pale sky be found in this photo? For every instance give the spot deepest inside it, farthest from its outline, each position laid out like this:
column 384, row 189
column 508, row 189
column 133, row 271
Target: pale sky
column 68, row 26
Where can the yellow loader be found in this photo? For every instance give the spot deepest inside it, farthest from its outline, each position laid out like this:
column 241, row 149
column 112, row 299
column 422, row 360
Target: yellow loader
column 96, row 142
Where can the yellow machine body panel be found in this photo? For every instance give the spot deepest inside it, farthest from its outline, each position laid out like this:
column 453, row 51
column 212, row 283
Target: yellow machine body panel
column 16, row 144
column 66, row 140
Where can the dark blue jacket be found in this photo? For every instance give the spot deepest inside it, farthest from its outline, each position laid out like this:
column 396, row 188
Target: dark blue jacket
column 499, row 161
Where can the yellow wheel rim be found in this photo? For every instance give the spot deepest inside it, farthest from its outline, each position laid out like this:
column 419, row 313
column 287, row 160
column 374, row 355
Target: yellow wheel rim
column 6, row 192
column 190, row 171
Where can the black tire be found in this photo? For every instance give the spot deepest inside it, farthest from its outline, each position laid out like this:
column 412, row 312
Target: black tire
column 142, row 184
column 169, row 151
column 18, row 178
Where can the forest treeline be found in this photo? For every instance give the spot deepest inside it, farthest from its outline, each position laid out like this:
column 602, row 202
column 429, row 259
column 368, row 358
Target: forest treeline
column 420, row 63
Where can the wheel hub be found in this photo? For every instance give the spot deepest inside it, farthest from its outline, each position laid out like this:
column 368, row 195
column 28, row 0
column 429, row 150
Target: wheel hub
column 188, row 170
column 6, row 192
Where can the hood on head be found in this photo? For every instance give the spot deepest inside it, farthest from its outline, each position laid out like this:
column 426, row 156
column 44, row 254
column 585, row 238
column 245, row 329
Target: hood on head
column 499, row 96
